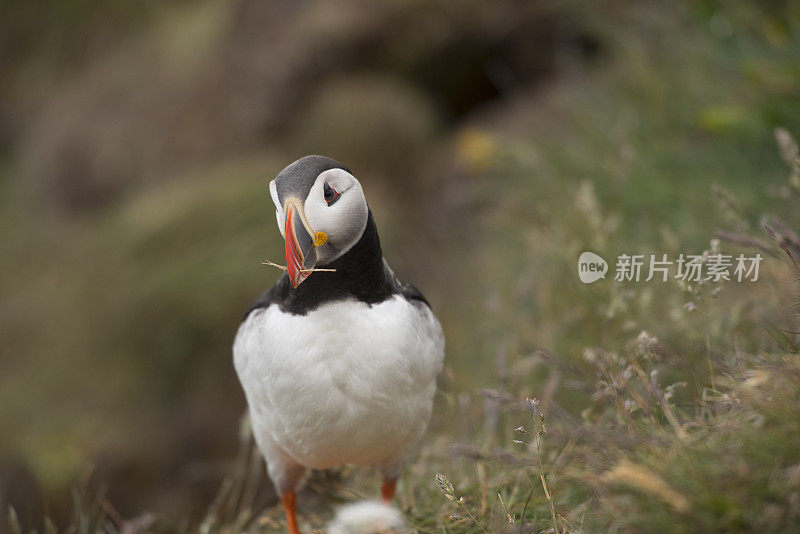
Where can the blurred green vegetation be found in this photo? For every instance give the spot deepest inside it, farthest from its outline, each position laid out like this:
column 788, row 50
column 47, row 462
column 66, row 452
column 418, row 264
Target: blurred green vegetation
column 496, row 141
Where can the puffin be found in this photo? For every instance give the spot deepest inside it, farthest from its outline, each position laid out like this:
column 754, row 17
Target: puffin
column 339, row 359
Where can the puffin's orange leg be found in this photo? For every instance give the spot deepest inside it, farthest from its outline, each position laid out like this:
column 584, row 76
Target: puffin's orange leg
column 387, row 489
column 289, row 499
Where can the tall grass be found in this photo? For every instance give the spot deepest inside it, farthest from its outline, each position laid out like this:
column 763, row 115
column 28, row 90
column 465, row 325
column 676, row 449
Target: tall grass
column 698, row 433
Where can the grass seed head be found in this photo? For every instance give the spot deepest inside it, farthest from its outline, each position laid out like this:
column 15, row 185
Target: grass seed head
column 445, row 486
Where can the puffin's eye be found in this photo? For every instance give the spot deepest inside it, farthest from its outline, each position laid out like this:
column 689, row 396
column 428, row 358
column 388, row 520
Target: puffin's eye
column 331, row 194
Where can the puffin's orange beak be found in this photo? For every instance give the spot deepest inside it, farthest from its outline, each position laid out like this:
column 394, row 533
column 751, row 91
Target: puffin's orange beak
column 301, row 242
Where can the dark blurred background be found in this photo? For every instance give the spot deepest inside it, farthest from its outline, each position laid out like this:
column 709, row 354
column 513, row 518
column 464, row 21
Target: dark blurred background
column 137, row 140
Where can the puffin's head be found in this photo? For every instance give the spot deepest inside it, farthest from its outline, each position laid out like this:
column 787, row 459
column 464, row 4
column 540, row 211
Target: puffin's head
column 321, row 212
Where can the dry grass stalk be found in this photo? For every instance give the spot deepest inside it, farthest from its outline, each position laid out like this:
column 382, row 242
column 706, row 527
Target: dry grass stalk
column 646, row 481
column 283, row 267
column 785, row 238
column 537, row 416
column 745, row 240
column 509, row 518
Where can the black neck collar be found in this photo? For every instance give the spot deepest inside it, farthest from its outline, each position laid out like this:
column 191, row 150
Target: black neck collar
column 360, row 274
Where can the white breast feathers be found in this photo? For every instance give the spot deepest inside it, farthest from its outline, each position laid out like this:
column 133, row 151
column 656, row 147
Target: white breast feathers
column 346, row 383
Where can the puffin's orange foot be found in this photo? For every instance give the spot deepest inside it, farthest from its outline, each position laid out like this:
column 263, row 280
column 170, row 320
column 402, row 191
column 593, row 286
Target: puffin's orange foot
column 289, row 500
column 387, row 489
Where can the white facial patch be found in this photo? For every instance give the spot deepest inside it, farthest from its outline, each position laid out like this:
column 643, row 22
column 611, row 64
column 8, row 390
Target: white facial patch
column 343, row 220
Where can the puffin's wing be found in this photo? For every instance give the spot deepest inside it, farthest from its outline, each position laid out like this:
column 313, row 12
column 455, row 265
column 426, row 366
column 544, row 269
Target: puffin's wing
column 402, row 288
